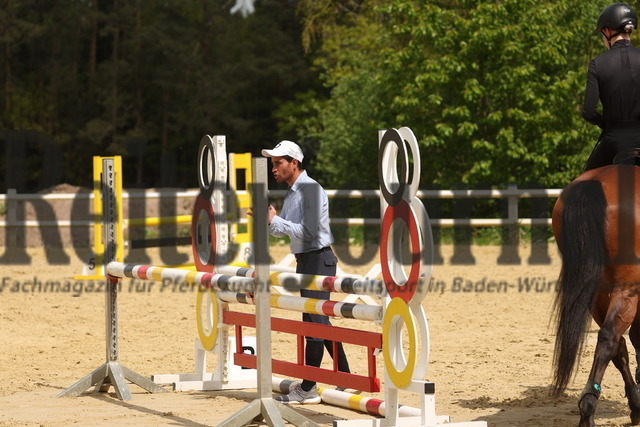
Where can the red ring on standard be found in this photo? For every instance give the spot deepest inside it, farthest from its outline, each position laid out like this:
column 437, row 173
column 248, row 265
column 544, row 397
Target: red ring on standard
column 402, row 211
column 203, row 226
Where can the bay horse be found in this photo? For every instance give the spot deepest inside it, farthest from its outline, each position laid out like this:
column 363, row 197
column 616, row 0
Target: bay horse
column 596, row 223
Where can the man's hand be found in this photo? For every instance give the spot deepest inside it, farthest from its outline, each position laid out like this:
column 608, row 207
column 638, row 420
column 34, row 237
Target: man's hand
column 272, row 212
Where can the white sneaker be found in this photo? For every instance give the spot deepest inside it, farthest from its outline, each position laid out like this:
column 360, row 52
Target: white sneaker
column 300, row 397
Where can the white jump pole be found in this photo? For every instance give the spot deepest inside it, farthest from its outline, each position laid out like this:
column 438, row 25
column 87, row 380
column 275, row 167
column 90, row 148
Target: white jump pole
column 264, row 405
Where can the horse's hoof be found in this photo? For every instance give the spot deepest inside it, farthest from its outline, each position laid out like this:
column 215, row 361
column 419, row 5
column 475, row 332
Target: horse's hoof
column 587, row 406
column 587, row 423
column 633, row 396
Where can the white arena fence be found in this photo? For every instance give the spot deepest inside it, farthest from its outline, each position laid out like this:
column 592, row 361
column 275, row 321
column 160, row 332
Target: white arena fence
column 512, row 194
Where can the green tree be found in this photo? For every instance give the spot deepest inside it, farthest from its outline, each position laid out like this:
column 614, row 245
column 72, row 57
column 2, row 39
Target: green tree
column 146, row 79
column 492, row 90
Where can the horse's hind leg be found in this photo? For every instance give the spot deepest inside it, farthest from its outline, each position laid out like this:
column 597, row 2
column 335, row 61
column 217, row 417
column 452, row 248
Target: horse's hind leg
column 621, row 361
column 634, row 335
column 611, row 346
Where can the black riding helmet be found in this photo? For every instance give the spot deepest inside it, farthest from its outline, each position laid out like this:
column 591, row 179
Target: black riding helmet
column 616, row 17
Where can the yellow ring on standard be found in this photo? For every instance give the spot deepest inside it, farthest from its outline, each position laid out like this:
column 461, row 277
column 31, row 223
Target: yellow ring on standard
column 207, row 341
column 398, row 308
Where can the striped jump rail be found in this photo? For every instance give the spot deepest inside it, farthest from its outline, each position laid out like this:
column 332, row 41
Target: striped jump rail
column 369, row 405
column 310, row 305
column 237, row 289
column 295, row 281
column 237, row 283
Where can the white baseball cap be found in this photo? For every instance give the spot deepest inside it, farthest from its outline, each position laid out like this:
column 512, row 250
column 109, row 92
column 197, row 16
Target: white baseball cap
column 285, row 148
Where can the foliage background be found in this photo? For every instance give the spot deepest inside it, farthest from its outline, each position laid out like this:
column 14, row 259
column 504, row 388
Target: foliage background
column 492, row 89
column 143, row 79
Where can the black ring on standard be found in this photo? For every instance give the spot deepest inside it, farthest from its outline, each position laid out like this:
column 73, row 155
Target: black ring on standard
column 392, row 135
column 206, row 163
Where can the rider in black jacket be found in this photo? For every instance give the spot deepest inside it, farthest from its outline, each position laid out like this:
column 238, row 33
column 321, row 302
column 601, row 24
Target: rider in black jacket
column 614, row 80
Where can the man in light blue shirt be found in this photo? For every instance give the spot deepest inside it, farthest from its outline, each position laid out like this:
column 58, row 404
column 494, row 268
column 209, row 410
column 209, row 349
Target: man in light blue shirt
column 305, row 219
column 304, row 216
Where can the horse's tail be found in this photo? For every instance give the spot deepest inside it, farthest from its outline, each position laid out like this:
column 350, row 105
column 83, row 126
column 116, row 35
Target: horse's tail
column 584, row 256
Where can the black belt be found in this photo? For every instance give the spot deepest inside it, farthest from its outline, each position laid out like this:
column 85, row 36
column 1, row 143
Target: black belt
column 623, row 124
column 316, row 251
